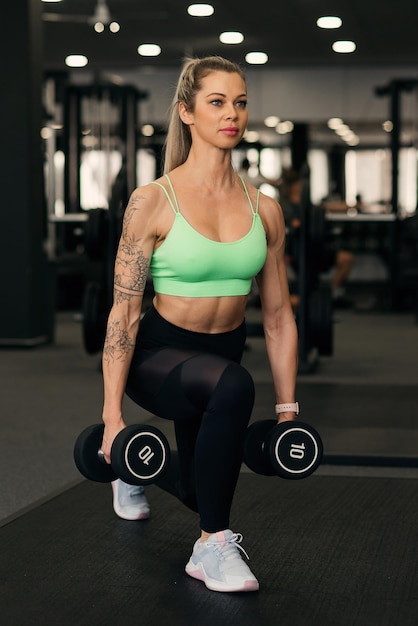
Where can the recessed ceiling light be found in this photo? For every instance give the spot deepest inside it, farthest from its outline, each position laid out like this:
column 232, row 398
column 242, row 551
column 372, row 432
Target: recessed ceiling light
column 200, row 10
column 231, row 37
column 334, row 122
column 149, row 50
column 76, row 60
column 251, row 136
column 147, row 130
column 114, row 27
column 256, row 58
column 342, row 130
column 344, row 47
column 283, row 128
column 329, row 21
column 271, row 121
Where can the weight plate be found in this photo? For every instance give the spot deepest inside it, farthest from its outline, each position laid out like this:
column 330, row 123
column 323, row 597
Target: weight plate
column 140, row 454
column 254, row 456
column 86, row 455
column 295, row 449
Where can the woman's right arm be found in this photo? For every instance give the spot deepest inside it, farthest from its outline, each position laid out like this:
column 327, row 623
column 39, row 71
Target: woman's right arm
column 130, row 276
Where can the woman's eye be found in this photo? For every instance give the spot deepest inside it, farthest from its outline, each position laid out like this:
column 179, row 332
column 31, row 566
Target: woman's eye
column 216, row 102
column 242, row 104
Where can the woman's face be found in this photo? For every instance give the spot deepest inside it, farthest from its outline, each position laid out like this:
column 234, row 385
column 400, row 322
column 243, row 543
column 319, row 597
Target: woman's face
column 220, row 114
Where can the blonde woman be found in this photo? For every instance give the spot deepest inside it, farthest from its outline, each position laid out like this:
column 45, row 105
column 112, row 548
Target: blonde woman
column 204, row 234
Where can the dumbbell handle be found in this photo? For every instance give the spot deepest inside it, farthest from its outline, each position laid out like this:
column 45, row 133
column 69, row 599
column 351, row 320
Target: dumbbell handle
column 286, row 408
column 101, row 456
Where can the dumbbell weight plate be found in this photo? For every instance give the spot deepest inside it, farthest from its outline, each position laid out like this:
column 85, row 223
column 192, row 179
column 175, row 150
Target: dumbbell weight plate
column 140, row 454
column 254, row 455
column 87, row 458
column 294, row 449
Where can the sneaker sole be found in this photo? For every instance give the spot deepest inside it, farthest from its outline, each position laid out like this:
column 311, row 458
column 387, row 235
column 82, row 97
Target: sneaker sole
column 140, row 516
column 198, row 573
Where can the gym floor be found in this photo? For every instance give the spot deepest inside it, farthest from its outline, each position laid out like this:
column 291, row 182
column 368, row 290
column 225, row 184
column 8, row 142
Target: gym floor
column 337, row 549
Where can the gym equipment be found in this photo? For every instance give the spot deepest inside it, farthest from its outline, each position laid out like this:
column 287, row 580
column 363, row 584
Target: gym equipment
column 140, row 455
column 291, row 450
column 320, row 319
column 96, row 234
column 94, row 317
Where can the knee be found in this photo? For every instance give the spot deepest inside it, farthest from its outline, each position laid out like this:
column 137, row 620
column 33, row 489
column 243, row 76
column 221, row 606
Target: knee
column 238, row 383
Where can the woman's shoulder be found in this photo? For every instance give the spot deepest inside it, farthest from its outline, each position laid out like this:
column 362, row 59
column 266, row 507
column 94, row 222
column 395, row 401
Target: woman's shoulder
column 151, row 192
column 146, row 202
column 269, row 206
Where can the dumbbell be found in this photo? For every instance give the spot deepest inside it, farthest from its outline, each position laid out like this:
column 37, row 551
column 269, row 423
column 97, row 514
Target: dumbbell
column 290, row 449
column 139, row 455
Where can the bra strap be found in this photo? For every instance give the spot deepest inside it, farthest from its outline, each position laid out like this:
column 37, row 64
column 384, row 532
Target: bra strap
column 173, row 193
column 248, row 196
column 257, row 201
column 170, row 201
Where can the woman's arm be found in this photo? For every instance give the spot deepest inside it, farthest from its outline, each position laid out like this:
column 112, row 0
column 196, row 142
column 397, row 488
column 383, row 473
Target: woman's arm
column 278, row 319
column 130, row 275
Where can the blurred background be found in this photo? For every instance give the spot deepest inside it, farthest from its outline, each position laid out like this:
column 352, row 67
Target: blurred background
column 333, row 135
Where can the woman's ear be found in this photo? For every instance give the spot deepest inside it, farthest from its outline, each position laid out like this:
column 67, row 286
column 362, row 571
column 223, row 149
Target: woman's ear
column 185, row 116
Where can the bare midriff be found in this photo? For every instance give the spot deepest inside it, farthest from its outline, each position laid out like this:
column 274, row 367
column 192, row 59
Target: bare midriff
column 202, row 315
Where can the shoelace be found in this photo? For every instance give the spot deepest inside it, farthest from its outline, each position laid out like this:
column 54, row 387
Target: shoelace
column 227, row 548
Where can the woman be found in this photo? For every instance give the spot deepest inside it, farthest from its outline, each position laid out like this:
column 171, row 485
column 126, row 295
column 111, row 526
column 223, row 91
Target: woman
column 204, row 234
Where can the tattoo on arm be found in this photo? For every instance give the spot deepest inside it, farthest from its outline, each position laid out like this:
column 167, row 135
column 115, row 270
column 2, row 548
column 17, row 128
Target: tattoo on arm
column 133, row 205
column 118, row 343
column 131, row 272
column 131, row 267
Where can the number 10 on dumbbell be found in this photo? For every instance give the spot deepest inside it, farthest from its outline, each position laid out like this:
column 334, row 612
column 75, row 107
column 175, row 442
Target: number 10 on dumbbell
column 290, row 449
column 140, row 455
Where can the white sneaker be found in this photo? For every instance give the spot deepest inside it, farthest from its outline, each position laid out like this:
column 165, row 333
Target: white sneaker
column 218, row 563
column 129, row 501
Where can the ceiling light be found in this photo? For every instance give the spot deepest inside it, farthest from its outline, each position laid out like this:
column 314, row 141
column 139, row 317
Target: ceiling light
column 114, row 27
column 51, row 0
column 344, row 47
column 354, row 141
column 271, row 121
column 334, row 122
column 200, row 10
column 387, row 126
column 149, row 50
column 283, row 128
column 251, row 136
column 231, row 37
column 342, row 130
column 76, row 60
column 147, row 130
column 329, row 21
column 256, row 58
column 99, row 27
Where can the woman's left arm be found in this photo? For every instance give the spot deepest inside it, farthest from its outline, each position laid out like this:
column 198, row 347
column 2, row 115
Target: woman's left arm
column 278, row 319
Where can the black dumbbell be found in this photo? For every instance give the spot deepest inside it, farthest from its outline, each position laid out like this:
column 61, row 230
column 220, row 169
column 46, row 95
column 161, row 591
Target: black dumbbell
column 290, row 449
column 140, row 455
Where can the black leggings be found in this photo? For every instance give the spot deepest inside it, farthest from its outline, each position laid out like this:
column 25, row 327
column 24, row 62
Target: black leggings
column 196, row 380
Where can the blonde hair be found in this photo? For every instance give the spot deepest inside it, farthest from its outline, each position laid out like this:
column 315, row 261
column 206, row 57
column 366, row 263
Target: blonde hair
column 178, row 140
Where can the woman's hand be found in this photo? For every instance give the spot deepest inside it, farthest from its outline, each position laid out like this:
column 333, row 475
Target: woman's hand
column 110, row 431
column 286, row 417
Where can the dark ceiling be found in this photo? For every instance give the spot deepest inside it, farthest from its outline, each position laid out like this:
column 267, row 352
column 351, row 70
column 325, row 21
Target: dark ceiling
column 385, row 32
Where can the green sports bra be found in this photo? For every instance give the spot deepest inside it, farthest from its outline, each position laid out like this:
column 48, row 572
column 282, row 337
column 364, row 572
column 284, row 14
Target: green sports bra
column 191, row 265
